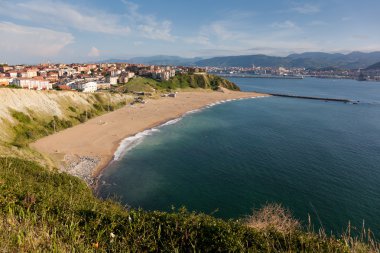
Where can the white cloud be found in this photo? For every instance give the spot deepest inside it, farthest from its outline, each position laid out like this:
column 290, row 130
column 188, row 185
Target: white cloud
column 306, row 8
column 94, row 52
column 65, row 15
column 147, row 25
column 31, row 41
column 199, row 39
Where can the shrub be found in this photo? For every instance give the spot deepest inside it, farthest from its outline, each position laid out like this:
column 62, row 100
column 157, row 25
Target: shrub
column 273, row 217
column 73, row 109
column 21, row 117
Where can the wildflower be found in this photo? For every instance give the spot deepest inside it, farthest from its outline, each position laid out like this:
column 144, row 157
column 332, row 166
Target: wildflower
column 130, row 218
column 96, row 245
column 112, row 235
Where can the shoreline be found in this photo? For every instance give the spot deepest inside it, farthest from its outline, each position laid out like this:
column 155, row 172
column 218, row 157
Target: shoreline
column 87, row 149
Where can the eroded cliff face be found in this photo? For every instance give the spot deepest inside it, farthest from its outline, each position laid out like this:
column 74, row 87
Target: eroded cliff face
column 61, row 104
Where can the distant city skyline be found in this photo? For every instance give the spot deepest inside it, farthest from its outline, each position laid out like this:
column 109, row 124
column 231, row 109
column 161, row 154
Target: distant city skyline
column 34, row 31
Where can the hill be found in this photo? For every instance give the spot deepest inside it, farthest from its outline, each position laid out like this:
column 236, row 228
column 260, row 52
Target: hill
column 375, row 66
column 165, row 60
column 314, row 60
column 180, row 81
column 158, row 60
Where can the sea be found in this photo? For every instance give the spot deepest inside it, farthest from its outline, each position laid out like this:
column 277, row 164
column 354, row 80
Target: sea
column 318, row 159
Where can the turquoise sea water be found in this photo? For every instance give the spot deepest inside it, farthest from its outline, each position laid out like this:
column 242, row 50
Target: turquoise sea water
column 314, row 157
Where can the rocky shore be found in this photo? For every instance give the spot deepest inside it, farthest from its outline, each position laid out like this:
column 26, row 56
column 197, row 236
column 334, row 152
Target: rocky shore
column 81, row 166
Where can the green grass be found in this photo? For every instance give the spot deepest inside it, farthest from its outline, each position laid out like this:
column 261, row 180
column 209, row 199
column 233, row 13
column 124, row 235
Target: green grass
column 203, row 81
column 180, row 81
column 138, row 84
column 31, row 126
column 47, row 211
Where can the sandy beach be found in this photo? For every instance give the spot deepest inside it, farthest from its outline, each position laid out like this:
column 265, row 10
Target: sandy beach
column 86, row 149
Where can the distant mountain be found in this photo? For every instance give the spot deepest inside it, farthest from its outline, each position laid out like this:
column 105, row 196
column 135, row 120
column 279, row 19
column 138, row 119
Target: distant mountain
column 165, row 60
column 314, row 60
column 375, row 66
column 158, row 60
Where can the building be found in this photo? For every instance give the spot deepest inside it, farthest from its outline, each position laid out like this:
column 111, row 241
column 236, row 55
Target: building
column 12, row 73
column 5, row 81
column 32, row 84
column 88, row 87
column 32, row 72
column 66, row 72
column 112, row 79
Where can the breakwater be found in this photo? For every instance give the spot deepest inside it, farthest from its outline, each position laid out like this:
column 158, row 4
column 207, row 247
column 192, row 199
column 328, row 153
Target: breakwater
column 314, row 98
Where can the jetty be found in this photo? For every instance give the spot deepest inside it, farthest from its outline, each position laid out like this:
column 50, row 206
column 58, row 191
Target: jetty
column 314, row 98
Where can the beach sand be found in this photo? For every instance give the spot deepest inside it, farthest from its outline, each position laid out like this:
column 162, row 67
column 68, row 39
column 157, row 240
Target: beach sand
column 86, row 149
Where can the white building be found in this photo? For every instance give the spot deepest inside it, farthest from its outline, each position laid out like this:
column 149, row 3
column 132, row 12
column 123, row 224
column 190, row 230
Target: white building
column 12, row 74
column 88, row 87
column 66, row 71
column 32, row 84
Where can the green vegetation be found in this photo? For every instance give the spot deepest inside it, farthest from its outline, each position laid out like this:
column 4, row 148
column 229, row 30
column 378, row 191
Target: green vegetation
column 138, row 84
column 11, row 86
column 180, row 81
column 41, row 210
column 204, row 81
column 31, row 126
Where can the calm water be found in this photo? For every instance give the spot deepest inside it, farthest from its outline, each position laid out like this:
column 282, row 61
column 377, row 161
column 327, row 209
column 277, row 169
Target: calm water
column 314, row 157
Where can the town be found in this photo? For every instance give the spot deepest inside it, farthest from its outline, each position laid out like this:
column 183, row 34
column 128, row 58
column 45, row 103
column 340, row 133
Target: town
column 104, row 76
column 281, row 72
column 83, row 77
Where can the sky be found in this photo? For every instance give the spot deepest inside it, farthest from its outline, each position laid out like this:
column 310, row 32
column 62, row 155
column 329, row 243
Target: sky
column 37, row 31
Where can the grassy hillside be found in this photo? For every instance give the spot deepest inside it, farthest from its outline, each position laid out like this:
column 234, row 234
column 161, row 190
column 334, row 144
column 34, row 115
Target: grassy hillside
column 41, row 210
column 204, row 81
column 181, row 81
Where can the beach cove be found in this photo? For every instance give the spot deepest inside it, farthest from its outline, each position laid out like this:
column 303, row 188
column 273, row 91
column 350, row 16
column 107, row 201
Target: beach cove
column 86, row 149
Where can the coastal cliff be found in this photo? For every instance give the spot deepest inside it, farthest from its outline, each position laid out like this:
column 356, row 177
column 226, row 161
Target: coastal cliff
column 28, row 115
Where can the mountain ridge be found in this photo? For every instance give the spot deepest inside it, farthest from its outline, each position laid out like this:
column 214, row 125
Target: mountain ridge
column 315, row 60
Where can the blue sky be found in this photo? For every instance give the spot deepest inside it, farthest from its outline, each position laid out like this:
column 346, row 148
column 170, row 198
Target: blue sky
column 33, row 31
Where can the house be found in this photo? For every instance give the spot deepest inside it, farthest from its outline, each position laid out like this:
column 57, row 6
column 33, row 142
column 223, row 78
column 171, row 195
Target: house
column 32, row 72
column 52, row 76
column 12, row 73
column 32, row 83
column 112, row 80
